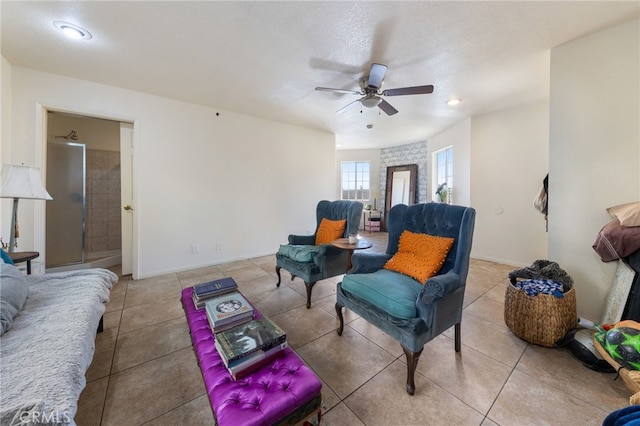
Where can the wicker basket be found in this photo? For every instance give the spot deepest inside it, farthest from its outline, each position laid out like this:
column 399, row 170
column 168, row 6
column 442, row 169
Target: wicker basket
column 543, row 319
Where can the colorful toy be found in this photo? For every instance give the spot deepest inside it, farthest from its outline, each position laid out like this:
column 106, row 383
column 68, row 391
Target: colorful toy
column 620, row 346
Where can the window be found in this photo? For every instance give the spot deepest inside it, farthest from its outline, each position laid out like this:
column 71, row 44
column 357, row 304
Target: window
column 355, row 180
column 444, row 175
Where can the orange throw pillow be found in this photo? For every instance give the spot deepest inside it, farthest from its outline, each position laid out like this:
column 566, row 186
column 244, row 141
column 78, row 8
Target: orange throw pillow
column 330, row 230
column 419, row 256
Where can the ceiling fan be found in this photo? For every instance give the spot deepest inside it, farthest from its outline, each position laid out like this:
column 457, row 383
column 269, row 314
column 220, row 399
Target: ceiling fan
column 371, row 91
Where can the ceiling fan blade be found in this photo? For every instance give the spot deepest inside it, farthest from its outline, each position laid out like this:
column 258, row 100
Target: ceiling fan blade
column 349, row 105
column 415, row 90
column 328, row 89
column 376, row 75
column 386, row 107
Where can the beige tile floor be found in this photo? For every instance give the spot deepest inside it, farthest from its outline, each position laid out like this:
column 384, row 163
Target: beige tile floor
column 144, row 370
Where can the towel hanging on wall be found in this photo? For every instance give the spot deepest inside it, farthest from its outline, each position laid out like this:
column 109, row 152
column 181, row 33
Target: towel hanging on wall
column 541, row 202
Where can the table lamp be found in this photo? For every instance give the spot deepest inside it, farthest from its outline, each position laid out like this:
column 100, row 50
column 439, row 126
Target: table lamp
column 21, row 182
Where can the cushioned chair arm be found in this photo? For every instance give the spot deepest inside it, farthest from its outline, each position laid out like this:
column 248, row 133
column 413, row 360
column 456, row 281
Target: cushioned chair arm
column 302, row 240
column 434, row 289
column 438, row 286
column 365, row 263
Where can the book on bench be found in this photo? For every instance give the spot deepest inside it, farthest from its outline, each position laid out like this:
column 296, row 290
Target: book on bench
column 228, row 310
column 251, row 363
column 241, row 341
column 204, row 291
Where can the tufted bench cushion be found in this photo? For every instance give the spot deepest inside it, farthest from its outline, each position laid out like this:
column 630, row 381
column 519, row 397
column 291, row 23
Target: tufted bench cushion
column 284, row 391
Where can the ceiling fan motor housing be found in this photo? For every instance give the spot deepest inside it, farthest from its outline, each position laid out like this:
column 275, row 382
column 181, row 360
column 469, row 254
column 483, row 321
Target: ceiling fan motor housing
column 364, row 85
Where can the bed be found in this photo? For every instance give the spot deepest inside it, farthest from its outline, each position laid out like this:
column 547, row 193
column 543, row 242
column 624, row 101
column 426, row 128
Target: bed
column 48, row 344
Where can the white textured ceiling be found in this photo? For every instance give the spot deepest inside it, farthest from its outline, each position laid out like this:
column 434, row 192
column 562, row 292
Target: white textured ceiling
column 265, row 58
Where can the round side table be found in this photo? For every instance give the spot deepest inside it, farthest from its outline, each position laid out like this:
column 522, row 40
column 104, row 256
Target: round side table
column 343, row 243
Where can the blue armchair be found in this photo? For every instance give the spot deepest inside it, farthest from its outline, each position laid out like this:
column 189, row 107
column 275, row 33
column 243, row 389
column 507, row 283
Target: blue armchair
column 412, row 313
column 302, row 258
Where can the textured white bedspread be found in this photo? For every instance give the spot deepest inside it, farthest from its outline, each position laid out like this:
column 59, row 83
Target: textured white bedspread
column 44, row 356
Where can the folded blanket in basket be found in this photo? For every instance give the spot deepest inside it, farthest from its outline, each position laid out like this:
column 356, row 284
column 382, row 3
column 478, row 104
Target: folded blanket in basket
column 543, row 269
column 535, row 287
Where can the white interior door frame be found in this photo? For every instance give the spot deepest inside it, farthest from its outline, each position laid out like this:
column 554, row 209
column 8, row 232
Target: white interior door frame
column 40, row 152
column 127, row 211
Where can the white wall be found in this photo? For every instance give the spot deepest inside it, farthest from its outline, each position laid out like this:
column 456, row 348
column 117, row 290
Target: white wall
column 458, row 137
column 594, row 151
column 5, row 134
column 199, row 178
column 5, row 102
column 509, row 152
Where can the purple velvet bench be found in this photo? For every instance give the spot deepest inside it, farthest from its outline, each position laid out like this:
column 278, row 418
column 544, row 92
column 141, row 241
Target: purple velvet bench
column 285, row 391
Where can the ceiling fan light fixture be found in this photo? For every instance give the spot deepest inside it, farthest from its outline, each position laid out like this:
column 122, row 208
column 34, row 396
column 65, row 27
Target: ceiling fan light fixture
column 454, row 101
column 371, row 101
column 72, row 31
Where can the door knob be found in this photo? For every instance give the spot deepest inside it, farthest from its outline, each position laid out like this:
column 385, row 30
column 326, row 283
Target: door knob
column 128, row 207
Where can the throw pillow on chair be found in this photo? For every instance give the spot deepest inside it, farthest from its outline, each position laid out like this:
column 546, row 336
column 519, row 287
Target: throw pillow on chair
column 330, row 230
column 420, row 256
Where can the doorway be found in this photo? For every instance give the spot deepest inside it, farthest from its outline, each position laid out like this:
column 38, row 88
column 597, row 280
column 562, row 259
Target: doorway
column 96, row 231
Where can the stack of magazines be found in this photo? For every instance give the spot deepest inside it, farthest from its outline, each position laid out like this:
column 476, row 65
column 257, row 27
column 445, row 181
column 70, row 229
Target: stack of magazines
column 227, row 310
column 246, row 347
column 204, row 291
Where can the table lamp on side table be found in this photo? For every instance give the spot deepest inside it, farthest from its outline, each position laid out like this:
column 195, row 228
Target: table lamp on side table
column 19, row 181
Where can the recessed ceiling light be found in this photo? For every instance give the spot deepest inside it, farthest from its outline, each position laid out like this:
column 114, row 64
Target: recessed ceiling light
column 72, row 31
column 454, row 101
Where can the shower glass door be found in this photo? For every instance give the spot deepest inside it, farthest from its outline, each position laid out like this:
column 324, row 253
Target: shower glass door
column 65, row 214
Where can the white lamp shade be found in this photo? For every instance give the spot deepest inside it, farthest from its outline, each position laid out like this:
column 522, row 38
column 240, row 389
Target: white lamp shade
column 22, row 182
column 371, row 101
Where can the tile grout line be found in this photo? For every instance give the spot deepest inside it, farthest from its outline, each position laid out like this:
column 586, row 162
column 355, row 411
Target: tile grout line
column 113, row 354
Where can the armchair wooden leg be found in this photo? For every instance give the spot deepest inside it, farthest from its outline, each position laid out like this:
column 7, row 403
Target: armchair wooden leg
column 339, row 312
column 309, row 287
column 412, row 363
column 457, row 337
column 278, row 273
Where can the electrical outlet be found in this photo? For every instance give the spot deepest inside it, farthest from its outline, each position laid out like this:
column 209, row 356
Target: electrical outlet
column 195, row 249
column 218, row 245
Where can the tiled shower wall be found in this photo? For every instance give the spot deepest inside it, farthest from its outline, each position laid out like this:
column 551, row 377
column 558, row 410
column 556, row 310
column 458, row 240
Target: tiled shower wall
column 415, row 153
column 102, row 226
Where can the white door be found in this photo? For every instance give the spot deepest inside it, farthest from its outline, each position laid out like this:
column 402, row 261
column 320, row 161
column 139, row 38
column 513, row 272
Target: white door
column 126, row 183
